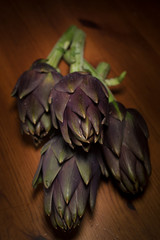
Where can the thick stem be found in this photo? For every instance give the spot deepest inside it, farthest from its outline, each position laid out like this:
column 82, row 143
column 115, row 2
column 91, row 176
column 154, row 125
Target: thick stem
column 61, row 46
column 75, row 54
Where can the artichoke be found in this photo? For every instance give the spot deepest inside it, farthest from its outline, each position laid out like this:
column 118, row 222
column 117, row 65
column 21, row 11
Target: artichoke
column 70, row 179
column 79, row 107
column 126, row 148
column 32, row 91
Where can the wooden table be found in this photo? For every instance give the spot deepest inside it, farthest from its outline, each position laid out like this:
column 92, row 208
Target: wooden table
column 125, row 34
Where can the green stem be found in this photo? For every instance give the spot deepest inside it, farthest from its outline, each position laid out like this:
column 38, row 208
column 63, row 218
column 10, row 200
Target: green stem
column 115, row 81
column 103, row 69
column 70, row 59
column 74, row 56
column 61, row 46
column 89, row 68
column 102, row 72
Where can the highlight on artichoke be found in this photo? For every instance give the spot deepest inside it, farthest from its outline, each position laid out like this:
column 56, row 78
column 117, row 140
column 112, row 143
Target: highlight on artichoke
column 90, row 133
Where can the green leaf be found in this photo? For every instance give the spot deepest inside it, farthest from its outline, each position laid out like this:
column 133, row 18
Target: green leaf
column 48, row 193
column 37, row 174
column 50, row 168
column 84, row 165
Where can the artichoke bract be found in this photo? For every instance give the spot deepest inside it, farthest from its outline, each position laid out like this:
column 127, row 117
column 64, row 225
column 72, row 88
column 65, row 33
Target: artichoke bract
column 79, row 107
column 32, row 92
column 126, row 148
column 70, row 179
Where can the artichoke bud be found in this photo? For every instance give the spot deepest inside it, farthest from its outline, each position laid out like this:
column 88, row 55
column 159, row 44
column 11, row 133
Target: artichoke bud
column 79, row 103
column 32, row 91
column 126, row 149
column 70, row 178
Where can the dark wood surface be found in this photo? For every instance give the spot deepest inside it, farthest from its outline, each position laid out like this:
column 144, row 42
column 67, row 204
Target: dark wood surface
column 125, row 34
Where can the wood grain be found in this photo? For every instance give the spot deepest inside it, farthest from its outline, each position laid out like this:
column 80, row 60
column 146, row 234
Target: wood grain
column 125, row 34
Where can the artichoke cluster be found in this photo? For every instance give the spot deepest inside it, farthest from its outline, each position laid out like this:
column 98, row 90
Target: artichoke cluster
column 91, row 134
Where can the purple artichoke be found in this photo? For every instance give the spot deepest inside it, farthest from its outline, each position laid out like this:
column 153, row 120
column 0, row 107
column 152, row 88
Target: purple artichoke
column 32, row 91
column 126, row 148
column 70, row 180
column 79, row 107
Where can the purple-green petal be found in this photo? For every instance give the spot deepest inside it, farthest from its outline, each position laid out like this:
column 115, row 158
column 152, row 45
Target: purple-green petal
column 50, row 167
column 69, row 178
column 69, row 83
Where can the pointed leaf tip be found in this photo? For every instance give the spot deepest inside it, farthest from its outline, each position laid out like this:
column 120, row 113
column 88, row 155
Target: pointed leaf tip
column 13, row 93
column 85, row 167
column 48, row 193
column 37, row 177
column 69, row 178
